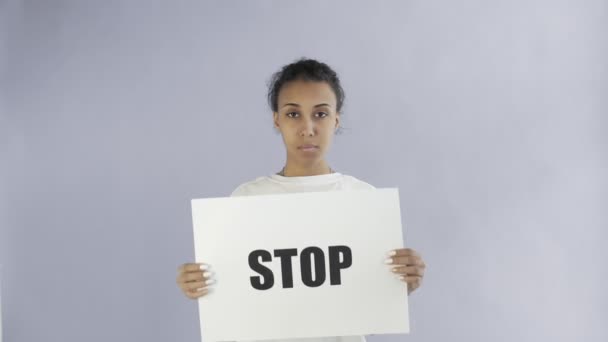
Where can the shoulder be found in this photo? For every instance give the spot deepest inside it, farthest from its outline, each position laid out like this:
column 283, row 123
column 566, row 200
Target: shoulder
column 356, row 183
column 250, row 187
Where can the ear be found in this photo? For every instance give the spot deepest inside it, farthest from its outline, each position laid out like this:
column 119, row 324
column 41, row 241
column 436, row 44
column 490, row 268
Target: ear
column 337, row 120
column 275, row 117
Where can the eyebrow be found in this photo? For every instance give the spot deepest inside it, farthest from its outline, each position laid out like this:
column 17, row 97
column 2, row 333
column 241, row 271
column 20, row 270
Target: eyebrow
column 297, row 105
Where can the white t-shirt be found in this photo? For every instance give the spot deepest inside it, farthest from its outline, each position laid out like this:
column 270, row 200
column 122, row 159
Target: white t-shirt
column 276, row 184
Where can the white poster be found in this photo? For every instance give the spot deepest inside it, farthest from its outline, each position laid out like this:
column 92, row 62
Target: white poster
column 300, row 265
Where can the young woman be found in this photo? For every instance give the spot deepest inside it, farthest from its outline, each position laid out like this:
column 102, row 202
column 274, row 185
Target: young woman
column 306, row 98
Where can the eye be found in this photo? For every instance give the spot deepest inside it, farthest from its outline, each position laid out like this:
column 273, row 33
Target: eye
column 290, row 114
column 322, row 114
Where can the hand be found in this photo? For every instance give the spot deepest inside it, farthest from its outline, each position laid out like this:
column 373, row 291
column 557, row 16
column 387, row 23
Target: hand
column 408, row 265
column 194, row 279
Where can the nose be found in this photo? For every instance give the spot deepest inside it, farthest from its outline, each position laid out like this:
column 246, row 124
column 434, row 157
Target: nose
column 308, row 128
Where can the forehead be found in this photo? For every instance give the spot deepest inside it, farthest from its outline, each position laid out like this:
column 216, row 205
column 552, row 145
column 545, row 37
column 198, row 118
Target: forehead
column 307, row 92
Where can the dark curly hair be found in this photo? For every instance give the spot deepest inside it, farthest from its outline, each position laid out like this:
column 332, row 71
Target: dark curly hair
column 304, row 69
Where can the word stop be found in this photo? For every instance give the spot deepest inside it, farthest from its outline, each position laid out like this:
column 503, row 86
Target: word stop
column 340, row 257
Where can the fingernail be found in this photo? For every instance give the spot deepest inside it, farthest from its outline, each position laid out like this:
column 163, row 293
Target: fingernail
column 388, row 261
column 207, row 274
column 203, row 267
column 395, row 269
column 210, row 281
column 401, row 277
column 392, row 253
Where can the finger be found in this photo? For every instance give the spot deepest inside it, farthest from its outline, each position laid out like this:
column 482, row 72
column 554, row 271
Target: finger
column 194, row 276
column 403, row 252
column 190, row 267
column 195, row 285
column 191, row 276
column 408, row 270
column 197, row 294
column 405, row 260
column 199, row 291
column 411, row 288
column 413, row 281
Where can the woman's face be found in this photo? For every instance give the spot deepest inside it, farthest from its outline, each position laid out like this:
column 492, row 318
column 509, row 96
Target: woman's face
column 307, row 119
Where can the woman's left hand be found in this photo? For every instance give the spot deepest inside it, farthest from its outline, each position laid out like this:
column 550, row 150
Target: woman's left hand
column 408, row 265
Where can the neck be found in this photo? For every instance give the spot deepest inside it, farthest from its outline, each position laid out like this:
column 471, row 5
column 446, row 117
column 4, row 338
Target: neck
column 298, row 170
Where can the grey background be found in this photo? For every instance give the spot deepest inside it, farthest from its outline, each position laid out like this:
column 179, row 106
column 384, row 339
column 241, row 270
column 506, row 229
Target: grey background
column 489, row 116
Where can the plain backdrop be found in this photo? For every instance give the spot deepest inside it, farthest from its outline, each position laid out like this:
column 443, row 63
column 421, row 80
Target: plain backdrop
column 489, row 116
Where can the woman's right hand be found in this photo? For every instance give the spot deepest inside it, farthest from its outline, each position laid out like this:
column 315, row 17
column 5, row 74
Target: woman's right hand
column 194, row 279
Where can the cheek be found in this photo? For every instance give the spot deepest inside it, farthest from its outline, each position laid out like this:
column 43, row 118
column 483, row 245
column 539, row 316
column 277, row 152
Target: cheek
column 288, row 138
column 328, row 133
column 289, row 130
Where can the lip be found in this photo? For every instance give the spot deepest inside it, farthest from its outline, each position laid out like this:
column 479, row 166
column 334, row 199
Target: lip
column 307, row 147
